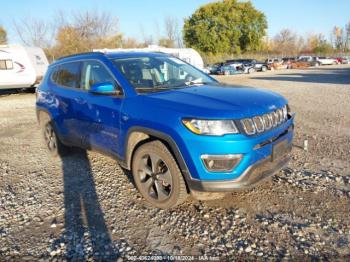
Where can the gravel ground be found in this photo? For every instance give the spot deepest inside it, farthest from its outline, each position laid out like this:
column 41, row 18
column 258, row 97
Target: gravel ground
column 84, row 207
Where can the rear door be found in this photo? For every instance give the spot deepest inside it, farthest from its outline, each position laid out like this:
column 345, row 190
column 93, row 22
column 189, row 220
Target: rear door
column 66, row 100
column 99, row 115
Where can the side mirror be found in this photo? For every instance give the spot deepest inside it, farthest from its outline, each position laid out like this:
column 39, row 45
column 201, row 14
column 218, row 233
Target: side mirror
column 105, row 88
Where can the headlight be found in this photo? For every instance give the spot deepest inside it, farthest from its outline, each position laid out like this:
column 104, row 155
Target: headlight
column 211, row 127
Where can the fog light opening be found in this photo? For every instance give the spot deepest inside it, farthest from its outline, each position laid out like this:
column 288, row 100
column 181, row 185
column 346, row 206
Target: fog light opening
column 220, row 163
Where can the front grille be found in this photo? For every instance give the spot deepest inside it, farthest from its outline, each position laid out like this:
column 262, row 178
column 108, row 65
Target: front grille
column 263, row 123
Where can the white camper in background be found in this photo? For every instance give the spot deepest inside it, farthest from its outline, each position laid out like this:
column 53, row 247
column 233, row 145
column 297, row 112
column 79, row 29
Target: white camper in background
column 21, row 67
column 189, row 55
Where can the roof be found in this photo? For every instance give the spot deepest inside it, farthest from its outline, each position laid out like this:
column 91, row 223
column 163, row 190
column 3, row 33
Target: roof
column 134, row 54
column 112, row 55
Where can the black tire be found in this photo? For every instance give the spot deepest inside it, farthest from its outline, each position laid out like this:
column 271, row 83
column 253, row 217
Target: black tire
column 251, row 70
column 157, row 176
column 31, row 90
column 52, row 142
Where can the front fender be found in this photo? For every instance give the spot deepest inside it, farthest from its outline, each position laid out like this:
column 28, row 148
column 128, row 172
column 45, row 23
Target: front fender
column 163, row 136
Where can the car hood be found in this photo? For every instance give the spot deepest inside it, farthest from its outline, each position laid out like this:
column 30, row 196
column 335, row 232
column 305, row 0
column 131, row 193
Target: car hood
column 212, row 101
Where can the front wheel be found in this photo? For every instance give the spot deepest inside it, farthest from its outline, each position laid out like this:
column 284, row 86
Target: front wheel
column 264, row 69
column 157, row 176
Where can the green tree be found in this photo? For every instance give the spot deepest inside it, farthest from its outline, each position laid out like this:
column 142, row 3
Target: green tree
column 317, row 44
column 228, row 26
column 3, row 36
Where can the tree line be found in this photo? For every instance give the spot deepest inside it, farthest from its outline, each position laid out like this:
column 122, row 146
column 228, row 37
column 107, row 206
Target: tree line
column 228, row 28
column 80, row 32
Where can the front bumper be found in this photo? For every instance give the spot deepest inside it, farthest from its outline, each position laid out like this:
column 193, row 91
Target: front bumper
column 257, row 164
column 255, row 174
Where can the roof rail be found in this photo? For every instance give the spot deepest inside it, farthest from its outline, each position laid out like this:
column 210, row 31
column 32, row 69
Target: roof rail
column 78, row 54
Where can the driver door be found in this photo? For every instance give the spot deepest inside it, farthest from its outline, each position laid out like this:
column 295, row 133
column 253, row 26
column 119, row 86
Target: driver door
column 99, row 114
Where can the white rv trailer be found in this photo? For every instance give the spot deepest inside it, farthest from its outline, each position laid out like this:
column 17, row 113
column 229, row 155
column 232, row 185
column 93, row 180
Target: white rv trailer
column 189, row 55
column 21, row 67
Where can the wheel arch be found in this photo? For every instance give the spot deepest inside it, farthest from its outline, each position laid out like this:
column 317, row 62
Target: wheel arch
column 41, row 114
column 44, row 114
column 139, row 135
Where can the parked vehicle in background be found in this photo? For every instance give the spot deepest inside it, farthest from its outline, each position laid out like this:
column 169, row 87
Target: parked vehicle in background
column 308, row 61
column 228, row 70
column 247, row 68
column 288, row 61
column 318, row 61
column 176, row 129
column 339, row 60
column 273, row 61
column 258, row 66
column 21, row 67
column 346, row 60
column 213, row 69
column 235, row 63
column 343, row 60
column 326, row 60
column 248, row 65
column 306, row 58
column 275, row 64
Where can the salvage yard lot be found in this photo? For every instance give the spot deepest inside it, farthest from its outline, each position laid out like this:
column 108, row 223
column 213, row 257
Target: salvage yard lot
column 86, row 206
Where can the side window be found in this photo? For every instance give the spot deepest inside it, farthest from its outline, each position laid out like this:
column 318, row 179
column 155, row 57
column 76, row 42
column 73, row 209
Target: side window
column 68, row 75
column 94, row 72
column 6, row 64
column 54, row 74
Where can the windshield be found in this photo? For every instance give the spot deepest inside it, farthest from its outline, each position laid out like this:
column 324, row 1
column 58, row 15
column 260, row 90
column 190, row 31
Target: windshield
column 147, row 74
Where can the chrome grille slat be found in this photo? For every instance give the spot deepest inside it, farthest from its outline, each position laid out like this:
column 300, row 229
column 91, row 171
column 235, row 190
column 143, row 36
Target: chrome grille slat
column 263, row 123
column 259, row 124
column 267, row 122
column 275, row 119
column 248, row 126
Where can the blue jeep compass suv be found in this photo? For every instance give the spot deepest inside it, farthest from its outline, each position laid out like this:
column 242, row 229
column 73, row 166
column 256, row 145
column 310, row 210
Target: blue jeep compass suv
column 177, row 129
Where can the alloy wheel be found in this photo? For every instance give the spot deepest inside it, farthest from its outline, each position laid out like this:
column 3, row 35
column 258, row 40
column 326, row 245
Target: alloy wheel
column 50, row 138
column 155, row 177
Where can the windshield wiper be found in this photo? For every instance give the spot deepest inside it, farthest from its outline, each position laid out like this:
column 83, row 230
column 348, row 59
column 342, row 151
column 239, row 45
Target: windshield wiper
column 193, row 83
column 182, row 85
column 168, row 87
column 150, row 89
